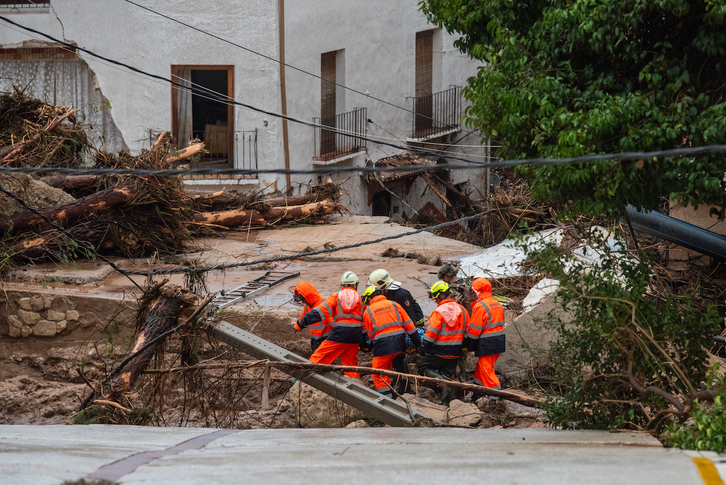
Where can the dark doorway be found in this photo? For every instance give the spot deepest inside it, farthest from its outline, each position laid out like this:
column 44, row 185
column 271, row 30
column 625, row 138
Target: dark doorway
column 200, row 116
column 381, row 203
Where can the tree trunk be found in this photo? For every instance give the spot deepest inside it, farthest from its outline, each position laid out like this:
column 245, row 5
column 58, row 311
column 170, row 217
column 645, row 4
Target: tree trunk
column 163, row 315
column 53, row 242
column 277, row 214
column 70, row 182
column 187, row 152
column 64, row 212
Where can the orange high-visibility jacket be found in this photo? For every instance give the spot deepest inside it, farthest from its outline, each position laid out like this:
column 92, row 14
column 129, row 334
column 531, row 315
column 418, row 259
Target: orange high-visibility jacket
column 345, row 310
column 319, row 330
column 445, row 332
column 485, row 332
column 387, row 323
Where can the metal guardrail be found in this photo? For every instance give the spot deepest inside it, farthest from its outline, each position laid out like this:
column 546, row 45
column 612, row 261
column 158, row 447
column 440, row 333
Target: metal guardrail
column 333, row 144
column 436, row 114
column 351, row 392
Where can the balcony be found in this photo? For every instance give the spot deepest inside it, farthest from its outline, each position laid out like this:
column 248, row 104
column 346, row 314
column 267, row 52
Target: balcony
column 216, row 142
column 436, row 115
column 345, row 140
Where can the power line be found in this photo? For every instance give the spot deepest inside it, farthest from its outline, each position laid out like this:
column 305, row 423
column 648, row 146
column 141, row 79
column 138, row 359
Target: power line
column 219, row 267
column 83, row 244
column 220, row 98
column 672, row 152
column 280, row 62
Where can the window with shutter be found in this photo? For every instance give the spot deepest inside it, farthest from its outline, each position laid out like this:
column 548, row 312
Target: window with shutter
column 327, row 100
column 424, row 80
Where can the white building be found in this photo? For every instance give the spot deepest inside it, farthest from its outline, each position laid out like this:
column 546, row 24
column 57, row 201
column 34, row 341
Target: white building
column 362, row 67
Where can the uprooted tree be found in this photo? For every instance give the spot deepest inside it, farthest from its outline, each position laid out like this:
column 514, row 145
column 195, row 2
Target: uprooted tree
column 129, row 214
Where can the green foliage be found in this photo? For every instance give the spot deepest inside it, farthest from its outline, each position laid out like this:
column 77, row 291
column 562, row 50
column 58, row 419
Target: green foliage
column 617, row 323
column 707, row 431
column 568, row 78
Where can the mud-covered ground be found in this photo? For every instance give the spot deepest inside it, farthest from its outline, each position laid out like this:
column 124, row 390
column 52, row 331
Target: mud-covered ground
column 41, row 381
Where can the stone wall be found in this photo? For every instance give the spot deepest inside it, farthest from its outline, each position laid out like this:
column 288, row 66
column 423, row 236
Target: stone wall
column 43, row 316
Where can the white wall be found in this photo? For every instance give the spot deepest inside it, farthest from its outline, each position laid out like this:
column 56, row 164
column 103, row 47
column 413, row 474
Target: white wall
column 377, row 36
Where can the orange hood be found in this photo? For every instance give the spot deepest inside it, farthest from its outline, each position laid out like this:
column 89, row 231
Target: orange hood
column 309, row 292
column 482, row 287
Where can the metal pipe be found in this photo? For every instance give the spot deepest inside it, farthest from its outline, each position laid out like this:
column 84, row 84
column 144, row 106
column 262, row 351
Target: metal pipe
column 679, row 232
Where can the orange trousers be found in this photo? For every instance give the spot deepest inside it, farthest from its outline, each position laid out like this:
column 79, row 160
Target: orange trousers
column 382, row 382
column 484, row 373
column 329, row 351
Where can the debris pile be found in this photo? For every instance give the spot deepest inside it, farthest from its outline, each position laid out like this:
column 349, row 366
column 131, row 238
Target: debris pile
column 36, row 134
column 129, row 215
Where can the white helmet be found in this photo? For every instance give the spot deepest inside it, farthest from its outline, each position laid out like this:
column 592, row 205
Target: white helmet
column 349, row 279
column 380, row 279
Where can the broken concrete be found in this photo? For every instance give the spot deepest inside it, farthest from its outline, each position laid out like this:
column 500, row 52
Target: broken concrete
column 463, row 414
column 36, row 195
column 529, row 336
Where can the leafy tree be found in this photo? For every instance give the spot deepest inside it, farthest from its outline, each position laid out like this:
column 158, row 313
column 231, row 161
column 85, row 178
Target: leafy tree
column 708, row 429
column 633, row 357
column 578, row 77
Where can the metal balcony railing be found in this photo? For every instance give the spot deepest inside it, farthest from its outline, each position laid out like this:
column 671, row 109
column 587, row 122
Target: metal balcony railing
column 349, row 127
column 216, row 142
column 245, row 153
column 437, row 114
column 23, row 4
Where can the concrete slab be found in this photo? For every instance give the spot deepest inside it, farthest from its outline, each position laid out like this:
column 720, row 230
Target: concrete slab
column 39, row 455
column 49, row 455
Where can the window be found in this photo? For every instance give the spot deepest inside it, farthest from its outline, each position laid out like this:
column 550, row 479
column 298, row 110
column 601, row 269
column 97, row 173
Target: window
column 196, row 116
column 424, row 80
column 327, row 100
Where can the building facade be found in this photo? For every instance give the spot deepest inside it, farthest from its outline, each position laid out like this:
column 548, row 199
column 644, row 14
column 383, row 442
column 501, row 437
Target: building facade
column 372, row 69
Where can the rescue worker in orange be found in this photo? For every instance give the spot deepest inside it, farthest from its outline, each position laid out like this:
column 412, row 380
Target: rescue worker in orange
column 345, row 311
column 442, row 343
column 307, row 295
column 386, row 323
column 485, row 334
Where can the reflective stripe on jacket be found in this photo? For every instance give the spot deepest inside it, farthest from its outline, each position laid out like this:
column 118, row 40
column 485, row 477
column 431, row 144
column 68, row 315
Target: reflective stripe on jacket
column 387, row 324
column 485, row 332
column 318, row 330
column 345, row 310
column 445, row 332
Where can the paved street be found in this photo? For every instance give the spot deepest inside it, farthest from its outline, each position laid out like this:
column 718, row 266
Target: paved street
column 40, row 455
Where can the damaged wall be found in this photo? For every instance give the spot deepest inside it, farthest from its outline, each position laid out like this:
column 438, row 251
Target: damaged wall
column 65, row 81
column 378, row 60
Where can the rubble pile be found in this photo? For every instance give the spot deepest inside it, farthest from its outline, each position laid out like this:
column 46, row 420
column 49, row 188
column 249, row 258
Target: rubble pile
column 128, row 215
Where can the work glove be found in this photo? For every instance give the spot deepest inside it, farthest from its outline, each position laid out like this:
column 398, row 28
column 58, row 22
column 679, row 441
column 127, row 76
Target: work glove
column 296, row 326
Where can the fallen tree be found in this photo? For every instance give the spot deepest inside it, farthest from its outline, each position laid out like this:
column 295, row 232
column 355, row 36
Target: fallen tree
column 414, row 379
column 164, row 306
column 272, row 216
column 98, row 201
